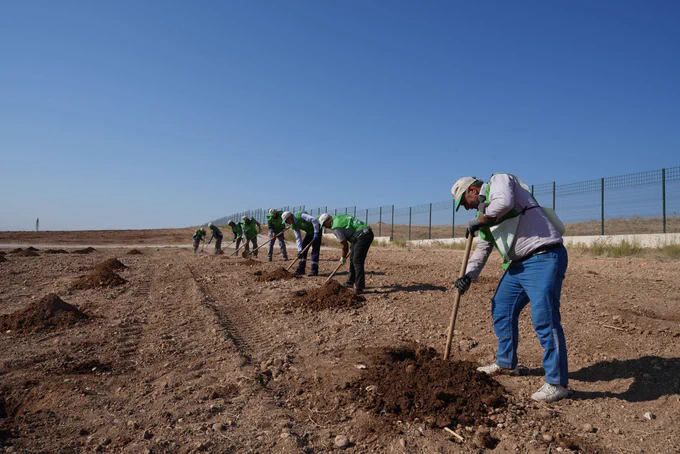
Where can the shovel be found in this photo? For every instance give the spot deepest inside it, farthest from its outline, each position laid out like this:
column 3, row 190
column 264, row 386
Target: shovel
column 336, row 269
column 298, row 258
column 239, row 248
column 246, row 254
column 456, row 301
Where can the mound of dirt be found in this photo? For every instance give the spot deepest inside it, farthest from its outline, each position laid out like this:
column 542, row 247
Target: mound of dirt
column 407, row 383
column 87, row 250
column 50, row 312
column 3, row 259
column 31, row 248
column 248, row 262
column 27, row 253
column 134, row 252
column 268, row 276
column 15, row 251
column 110, row 265
column 331, row 295
column 55, row 251
column 3, row 253
column 99, row 277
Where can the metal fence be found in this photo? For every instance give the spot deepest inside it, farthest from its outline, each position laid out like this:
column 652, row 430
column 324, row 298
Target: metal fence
column 643, row 202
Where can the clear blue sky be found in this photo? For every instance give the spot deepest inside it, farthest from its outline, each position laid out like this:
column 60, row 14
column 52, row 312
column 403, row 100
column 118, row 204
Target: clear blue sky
column 142, row 114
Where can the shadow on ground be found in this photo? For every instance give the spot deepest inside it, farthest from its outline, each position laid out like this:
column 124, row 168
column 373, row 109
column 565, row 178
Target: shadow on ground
column 653, row 377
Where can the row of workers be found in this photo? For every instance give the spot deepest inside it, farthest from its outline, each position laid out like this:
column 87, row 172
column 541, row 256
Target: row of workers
column 307, row 230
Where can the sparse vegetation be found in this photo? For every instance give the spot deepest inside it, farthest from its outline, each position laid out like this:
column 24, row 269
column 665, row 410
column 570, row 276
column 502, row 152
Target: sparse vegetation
column 626, row 249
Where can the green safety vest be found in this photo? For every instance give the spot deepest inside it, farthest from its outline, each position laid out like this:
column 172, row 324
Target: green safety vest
column 249, row 229
column 301, row 224
column 276, row 222
column 198, row 235
column 346, row 221
column 236, row 229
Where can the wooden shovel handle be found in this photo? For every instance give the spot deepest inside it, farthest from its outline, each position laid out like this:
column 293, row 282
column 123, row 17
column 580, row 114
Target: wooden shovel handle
column 298, row 258
column 336, row 269
column 456, row 301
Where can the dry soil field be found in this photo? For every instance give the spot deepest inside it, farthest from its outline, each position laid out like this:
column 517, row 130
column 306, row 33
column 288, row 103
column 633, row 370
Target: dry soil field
column 183, row 353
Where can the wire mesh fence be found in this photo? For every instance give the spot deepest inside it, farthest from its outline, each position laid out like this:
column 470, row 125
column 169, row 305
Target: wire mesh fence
column 642, row 202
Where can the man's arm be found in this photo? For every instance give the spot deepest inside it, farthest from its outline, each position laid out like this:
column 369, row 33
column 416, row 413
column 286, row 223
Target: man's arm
column 314, row 221
column 478, row 259
column 298, row 239
column 501, row 199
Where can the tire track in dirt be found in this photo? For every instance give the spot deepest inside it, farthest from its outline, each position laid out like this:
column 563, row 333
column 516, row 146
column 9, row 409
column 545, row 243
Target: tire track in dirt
column 238, row 322
column 130, row 328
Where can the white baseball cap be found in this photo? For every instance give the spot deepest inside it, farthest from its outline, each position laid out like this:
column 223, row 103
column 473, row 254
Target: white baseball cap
column 460, row 187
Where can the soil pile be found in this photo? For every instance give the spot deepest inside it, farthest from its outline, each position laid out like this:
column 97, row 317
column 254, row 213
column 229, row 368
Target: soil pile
column 249, row 262
column 331, row 295
column 110, row 265
column 50, row 312
column 31, row 248
column 27, row 253
column 268, row 276
column 2, row 258
column 55, row 251
column 3, row 253
column 134, row 252
column 409, row 383
column 98, row 277
column 87, row 250
column 15, row 251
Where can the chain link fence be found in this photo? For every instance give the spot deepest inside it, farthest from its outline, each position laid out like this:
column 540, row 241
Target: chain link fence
column 643, row 202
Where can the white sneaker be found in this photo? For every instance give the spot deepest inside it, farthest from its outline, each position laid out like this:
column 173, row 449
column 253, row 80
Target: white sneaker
column 550, row 393
column 495, row 369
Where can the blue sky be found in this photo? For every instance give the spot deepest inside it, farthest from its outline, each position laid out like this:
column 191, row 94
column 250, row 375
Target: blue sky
column 148, row 114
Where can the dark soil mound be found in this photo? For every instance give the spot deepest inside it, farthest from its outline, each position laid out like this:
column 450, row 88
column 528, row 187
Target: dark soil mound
column 27, row 253
column 329, row 296
column 3, row 253
column 55, row 251
column 87, row 250
column 134, row 252
column 249, row 262
column 99, row 277
column 49, row 312
column 3, row 259
column 15, row 251
column 408, row 383
column 268, row 276
column 31, row 248
column 111, row 265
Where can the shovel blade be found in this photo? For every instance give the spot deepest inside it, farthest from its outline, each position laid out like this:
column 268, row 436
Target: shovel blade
column 245, row 254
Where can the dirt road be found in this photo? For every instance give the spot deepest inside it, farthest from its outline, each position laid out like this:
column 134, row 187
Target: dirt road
column 215, row 354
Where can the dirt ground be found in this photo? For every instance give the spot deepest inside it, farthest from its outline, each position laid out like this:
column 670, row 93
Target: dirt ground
column 216, row 354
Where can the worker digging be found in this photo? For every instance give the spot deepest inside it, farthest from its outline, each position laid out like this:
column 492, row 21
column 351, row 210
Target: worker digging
column 535, row 261
column 217, row 234
column 276, row 226
column 348, row 229
column 250, row 228
column 302, row 221
column 198, row 236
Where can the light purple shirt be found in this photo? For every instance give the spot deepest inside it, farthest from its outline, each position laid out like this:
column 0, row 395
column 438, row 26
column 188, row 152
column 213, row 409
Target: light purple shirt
column 315, row 224
column 533, row 231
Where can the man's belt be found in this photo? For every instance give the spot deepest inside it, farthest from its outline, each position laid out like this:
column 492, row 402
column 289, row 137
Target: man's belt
column 542, row 250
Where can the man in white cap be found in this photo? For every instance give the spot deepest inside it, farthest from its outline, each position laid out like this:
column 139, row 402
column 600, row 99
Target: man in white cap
column 275, row 225
column 535, row 261
column 348, row 229
column 216, row 233
column 305, row 222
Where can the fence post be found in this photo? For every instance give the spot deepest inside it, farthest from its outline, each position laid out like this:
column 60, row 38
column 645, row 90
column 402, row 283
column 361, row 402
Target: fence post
column 553, row 195
column 367, row 216
column 453, row 218
column 602, row 207
column 429, row 227
column 392, row 234
column 355, row 211
column 532, row 189
column 409, row 223
column 345, row 210
column 663, row 197
column 380, row 223
column 335, row 212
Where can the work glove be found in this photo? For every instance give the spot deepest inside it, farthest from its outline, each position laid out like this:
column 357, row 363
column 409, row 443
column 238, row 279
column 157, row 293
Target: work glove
column 474, row 225
column 462, row 284
column 343, row 260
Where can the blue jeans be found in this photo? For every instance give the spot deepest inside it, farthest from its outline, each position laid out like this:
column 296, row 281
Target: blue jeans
column 536, row 280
